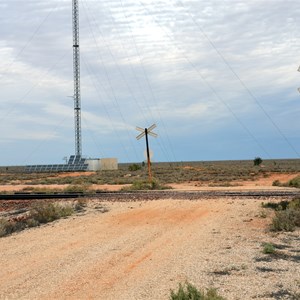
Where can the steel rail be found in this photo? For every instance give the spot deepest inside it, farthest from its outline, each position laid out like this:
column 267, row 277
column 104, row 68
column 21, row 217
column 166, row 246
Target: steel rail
column 152, row 195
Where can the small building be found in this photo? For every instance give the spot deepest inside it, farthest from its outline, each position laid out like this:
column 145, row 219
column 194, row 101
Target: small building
column 102, row 164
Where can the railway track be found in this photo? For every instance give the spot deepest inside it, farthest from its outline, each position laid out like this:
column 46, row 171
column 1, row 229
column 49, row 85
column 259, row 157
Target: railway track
column 152, row 195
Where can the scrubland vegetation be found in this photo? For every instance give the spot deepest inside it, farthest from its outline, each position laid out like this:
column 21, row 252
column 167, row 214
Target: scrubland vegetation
column 39, row 214
column 295, row 182
column 154, row 184
column 190, row 292
column 287, row 215
column 219, row 173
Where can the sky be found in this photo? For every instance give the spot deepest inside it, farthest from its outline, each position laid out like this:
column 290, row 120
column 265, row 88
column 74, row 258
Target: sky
column 218, row 77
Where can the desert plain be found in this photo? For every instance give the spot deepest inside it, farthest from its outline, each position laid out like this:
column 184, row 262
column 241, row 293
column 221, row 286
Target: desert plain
column 142, row 248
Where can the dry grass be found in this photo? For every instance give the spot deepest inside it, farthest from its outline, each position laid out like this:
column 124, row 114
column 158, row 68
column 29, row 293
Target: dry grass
column 215, row 173
column 39, row 214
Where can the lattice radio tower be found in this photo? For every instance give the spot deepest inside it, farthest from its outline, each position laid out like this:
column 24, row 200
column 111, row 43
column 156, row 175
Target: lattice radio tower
column 76, row 72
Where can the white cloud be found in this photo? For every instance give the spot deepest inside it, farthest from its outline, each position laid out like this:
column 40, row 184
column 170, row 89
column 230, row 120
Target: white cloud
column 144, row 62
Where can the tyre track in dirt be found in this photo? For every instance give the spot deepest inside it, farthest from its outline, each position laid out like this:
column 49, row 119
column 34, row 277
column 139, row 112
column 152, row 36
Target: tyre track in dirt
column 139, row 250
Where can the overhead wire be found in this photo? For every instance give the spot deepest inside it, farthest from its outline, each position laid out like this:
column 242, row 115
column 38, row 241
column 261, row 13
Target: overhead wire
column 43, row 141
column 108, row 77
column 31, row 89
column 30, row 38
column 92, row 136
column 120, row 72
column 163, row 147
column 243, row 84
column 207, row 83
column 92, row 78
column 130, row 90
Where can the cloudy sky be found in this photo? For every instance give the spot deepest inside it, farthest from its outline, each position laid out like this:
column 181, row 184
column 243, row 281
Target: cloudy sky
column 219, row 78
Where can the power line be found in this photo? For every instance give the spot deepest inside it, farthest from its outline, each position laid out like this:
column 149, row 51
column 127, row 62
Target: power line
column 89, row 70
column 150, row 88
column 55, row 129
column 30, row 38
column 30, row 90
column 109, row 79
column 208, row 84
column 240, row 80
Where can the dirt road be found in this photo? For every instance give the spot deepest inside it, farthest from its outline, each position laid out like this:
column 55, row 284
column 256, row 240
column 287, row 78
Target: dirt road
column 140, row 250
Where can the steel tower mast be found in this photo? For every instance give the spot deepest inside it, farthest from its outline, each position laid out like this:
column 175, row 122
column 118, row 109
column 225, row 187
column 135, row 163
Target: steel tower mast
column 76, row 72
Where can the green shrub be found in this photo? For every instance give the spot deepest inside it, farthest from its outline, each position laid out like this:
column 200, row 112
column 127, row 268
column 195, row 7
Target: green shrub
column 294, row 204
column 276, row 183
column 295, row 182
column 134, row 167
column 268, row 248
column 286, row 220
column 37, row 190
column 190, row 292
column 77, row 188
column 146, row 185
column 8, row 226
column 32, row 222
column 49, row 212
column 287, row 215
column 39, row 214
column 282, row 205
column 3, row 226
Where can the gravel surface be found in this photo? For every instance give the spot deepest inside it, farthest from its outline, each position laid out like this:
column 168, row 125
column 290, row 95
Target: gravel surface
column 142, row 249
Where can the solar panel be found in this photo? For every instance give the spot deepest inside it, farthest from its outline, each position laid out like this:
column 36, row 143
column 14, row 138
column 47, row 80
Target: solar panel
column 77, row 159
column 75, row 163
column 71, row 159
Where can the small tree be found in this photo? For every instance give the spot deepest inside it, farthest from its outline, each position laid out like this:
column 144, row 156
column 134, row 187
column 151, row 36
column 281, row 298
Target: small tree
column 257, row 161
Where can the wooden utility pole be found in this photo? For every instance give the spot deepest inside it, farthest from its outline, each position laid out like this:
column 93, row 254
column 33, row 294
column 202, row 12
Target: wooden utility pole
column 146, row 132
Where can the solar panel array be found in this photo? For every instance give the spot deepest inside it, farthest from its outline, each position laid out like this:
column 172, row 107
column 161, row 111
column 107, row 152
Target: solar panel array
column 76, row 159
column 75, row 163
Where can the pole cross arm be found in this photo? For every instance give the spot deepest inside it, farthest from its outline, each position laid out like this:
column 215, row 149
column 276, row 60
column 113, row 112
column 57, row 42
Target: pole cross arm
column 145, row 132
column 140, row 129
column 152, row 134
column 151, row 127
column 140, row 135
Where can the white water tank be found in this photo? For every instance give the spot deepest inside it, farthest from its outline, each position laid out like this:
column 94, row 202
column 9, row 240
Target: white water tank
column 93, row 164
column 96, row 164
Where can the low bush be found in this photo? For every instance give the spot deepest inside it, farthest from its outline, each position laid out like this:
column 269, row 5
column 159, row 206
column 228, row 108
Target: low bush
column 282, row 205
column 268, row 248
column 295, row 182
column 50, row 212
column 276, row 183
column 134, row 167
column 39, row 190
column 190, row 292
column 146, row 185
column 39, row 214
column 294, row 204
column 8, row 227
column 287, row 215
column 286, row 220
column 78, row 188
